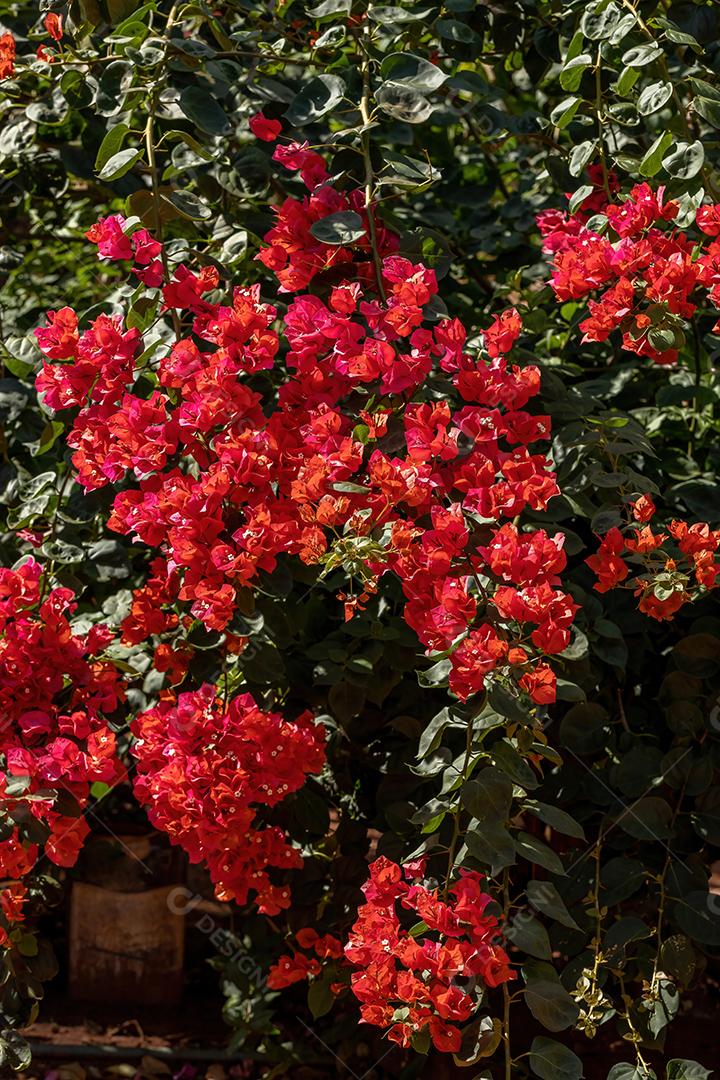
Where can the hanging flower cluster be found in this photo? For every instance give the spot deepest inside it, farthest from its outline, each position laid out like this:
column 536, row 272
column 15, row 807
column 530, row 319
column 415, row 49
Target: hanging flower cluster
column 17, row 859
column 204, row 770
column 647, row 271
column 307, row 964
column 432, row 975
column 55, row 693
column 359, row 458
column 7, row 55
column 674, row 567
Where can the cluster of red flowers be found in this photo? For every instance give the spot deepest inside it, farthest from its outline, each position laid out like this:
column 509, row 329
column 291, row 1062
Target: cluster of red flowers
column 431, row 976
column 647, row 272
column 17, row 859
column 305, row 965
column 293, row 252
column 55, row 692
column 8, row 49
column 227, row 482
column 205, row 769
column 676, row 566
column 7, row 56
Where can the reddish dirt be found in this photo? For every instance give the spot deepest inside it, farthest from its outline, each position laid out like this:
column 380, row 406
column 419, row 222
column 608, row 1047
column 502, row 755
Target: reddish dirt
column 197, row 1024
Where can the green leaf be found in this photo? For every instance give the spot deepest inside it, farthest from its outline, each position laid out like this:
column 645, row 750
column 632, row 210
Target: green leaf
column 49, row 436
column 437, row 675
column 403, row 102
column 507, row 704
column 491, row 844
column 432, row 735
column 535, row 851
column 390, row 15
column 545, row 898
column 583, row 729
column 698, row 915
column 709, row 109
column 404, row 171
column 196, row 146
column 704, row 89
column 640, row 55
column 547, row 998
column 653, row 159
column 488, row 796
column 344, row 227
column 556, row 818
column 550, row 1060
column 454, row 30
column 649, row 819
column 626, row 81
column 571, row 75
column 199, row 106
column 676, row 35
column 578, row 197
column 529, row 935
column 318, row 97
column 412, row 71
column 17, row 367
column 580, row 156
column 120, row 163
column 49, row 111
column 564, row 112
column 189, row 206
column 662, row 1010
column 620, row 878
column 111, row 144
column 329, row 9
column 686, row 160
column 678, row 958
column 683, row 1069
column 625, row 1071
column 511, row 762
column 28, row 945
column 653, row 97
column 480, row 1039
column 625, row 930
column 320, row 997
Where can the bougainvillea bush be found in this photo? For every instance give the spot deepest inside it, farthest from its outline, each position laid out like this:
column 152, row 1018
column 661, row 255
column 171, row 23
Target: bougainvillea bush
column 359, row 513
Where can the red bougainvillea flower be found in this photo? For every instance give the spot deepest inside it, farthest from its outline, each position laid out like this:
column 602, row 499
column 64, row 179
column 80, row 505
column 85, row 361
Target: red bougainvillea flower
column 675, row 566
column 284, row 482
column 7, row 56
column 643, row 509
column 408, row 982
column 54, row 25
column 264, row 128
column 205, row 772
column 648, row 275
column 55, row 691
column 610, row 568
column 299, row 966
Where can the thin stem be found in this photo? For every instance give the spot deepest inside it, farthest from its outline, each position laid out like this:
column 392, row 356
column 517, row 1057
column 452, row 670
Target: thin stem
column 456, row 825
column 599, row 115
column 155, row 172
column 636, row 1037
column 367, row 158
